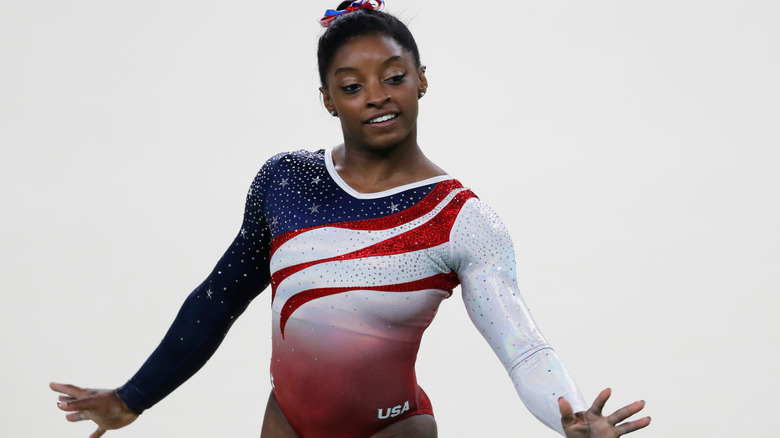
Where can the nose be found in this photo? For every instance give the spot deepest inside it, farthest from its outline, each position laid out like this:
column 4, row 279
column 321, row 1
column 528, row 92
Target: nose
column 376, row 94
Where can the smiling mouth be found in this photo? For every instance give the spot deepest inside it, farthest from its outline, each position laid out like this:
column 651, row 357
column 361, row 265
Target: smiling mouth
column 381, row 119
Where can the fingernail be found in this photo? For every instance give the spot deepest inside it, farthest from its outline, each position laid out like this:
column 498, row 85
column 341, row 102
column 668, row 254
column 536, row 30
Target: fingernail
column 62, row 404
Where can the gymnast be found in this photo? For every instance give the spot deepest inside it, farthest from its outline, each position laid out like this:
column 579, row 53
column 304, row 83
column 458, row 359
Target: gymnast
column 360, row 243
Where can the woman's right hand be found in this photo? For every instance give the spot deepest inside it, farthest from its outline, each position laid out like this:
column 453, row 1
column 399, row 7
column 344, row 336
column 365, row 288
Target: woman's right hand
column 103, row 406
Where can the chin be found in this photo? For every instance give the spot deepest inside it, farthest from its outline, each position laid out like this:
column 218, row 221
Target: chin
column 391, row 139
column 382, row 142
column 385, row 144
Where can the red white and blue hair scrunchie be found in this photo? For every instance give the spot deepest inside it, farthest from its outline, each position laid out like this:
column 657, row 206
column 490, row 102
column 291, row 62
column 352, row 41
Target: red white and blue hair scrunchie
column 332, row 14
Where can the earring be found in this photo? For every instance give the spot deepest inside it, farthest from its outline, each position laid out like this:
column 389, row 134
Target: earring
column 422, row 93
column 333, row 113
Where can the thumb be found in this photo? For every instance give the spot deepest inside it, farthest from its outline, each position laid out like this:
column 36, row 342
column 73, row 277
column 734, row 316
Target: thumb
column 567, row 414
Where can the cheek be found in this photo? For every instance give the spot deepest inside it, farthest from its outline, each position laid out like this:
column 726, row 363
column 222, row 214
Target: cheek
column 413, row 105
column 347, row 110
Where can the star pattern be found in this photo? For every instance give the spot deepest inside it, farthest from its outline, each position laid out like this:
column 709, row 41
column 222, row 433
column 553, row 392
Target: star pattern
column 297, row 190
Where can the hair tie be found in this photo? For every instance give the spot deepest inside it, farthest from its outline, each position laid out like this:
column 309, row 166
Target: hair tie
column 332, row 14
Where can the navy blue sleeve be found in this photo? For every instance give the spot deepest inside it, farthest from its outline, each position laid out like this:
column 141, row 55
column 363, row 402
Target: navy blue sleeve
column 207, row 314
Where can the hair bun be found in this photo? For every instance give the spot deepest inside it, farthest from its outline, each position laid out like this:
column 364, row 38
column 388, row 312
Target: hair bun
column 349, row 6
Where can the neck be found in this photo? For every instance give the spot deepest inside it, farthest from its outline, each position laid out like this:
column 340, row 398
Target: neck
column 370, row 170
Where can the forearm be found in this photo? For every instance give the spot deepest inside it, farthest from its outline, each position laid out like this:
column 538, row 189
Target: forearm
column 538, row 374
column 540, row 379
column 192, row 339
column 204, row 319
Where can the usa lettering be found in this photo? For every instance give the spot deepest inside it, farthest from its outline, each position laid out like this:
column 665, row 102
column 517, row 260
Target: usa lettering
column 394, row 411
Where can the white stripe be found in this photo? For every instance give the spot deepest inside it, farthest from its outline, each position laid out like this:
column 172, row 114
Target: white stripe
column 368, row 271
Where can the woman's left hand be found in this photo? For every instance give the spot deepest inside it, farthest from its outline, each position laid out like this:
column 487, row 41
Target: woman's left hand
column 592, row 424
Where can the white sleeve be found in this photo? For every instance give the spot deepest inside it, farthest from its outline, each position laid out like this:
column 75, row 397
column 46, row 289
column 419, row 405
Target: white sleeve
column 484, row 259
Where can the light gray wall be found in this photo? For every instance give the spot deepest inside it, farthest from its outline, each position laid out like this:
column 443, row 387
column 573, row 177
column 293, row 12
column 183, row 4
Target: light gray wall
column 631, row 147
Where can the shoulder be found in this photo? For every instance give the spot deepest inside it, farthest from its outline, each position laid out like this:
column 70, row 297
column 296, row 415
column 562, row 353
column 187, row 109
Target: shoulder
column 477, row 208
column 479, row 239
column 478, row 219
column 299, row 156
column 290, row 159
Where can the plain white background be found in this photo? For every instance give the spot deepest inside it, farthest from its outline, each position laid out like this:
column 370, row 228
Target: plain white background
column 630, row 146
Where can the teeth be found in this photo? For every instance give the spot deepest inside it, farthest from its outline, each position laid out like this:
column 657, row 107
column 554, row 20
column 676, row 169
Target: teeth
column 382, row 118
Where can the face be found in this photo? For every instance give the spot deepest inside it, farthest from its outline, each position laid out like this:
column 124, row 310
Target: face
column 373, row 85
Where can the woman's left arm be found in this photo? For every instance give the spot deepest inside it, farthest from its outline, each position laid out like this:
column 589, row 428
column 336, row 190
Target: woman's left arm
column 483, row 257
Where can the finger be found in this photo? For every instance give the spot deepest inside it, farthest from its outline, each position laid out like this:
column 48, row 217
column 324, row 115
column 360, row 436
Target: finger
column 601, row 400
column 98, row 433
column 77, row 416
column 625, row 412
column 632, row 426
column 567, row 414
column 82, row 404
column 66, row 398
column 71, row 390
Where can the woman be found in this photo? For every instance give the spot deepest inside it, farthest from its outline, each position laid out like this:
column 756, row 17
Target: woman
column 360, row 244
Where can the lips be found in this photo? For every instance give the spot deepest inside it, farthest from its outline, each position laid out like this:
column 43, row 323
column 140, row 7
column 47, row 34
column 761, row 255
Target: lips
column 382, row 118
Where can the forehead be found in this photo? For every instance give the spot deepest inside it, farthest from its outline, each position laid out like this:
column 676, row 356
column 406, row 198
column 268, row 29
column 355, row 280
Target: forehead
column 368, row 51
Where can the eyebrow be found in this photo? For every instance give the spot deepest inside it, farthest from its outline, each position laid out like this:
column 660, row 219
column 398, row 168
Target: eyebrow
column 387, row 61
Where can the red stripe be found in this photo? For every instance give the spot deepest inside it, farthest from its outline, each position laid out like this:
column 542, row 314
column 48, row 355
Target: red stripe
column 430, row 234
column 446, row 282
column 426, row 205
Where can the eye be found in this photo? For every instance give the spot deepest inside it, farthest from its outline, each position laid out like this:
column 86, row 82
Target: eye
column 396, row 80
column 351, row 88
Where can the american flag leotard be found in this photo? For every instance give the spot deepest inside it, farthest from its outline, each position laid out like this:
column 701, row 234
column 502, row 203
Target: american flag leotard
column 355, row 280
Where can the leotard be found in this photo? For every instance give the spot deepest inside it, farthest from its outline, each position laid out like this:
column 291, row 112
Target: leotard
column 355, row 280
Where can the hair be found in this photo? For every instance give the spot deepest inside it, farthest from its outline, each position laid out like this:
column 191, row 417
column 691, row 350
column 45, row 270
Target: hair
column 359, row 23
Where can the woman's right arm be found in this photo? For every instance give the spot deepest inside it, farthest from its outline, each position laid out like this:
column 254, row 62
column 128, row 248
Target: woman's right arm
column 200, row 326
column 203, row 320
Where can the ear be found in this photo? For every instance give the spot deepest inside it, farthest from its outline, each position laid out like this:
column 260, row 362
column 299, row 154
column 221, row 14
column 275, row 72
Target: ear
column 423, row 88
column 327, row 101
